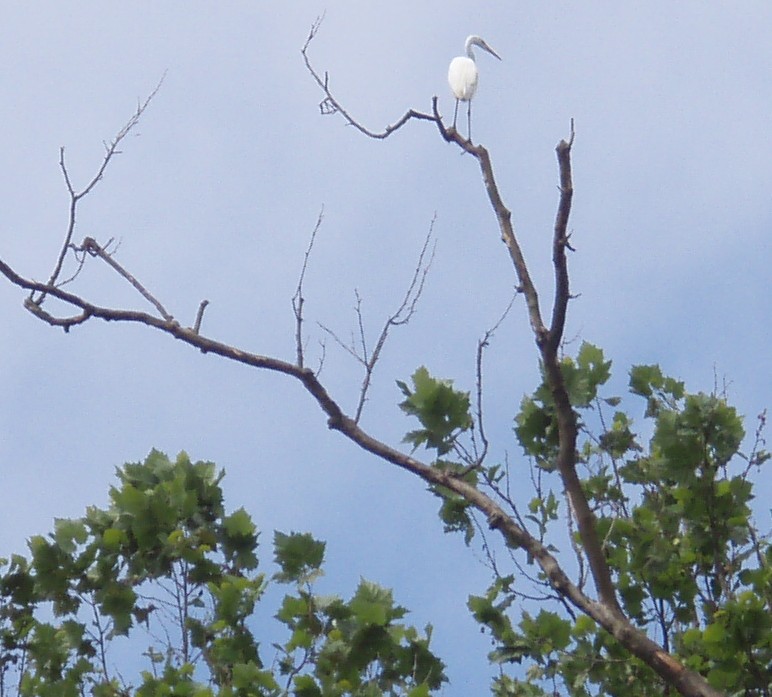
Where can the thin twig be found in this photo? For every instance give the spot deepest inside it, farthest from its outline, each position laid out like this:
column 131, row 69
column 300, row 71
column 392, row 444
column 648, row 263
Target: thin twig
column 298, row 300
column 200, row 316
column 111, row 150
column 359, row 348
column 330, row 105
column 482, row 344
column 402, row 316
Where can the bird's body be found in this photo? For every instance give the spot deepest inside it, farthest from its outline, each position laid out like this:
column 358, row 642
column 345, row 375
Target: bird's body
column 463, row 77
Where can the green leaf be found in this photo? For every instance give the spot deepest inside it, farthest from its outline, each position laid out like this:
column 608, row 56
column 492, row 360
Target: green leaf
column 298, row 555
column 372, row 604
column 113, row 538
column 442, row 411
column 305, row 686
column 69, row 533
column 239, row 524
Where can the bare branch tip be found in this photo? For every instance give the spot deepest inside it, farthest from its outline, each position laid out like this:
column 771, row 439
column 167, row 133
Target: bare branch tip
column 200, row 316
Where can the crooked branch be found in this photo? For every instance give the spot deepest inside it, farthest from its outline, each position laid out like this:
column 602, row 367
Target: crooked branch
column 330, row 105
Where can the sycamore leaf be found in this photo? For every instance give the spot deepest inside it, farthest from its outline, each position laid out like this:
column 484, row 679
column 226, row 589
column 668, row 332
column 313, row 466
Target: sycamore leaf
column 298, row 555
column 442, row 411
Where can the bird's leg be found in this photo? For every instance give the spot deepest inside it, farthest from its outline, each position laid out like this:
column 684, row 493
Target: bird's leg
column 455, row 114
column 469, row 119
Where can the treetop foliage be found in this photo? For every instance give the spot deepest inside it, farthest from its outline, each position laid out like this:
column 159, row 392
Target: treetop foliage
column 165, row 564
column 674, row 514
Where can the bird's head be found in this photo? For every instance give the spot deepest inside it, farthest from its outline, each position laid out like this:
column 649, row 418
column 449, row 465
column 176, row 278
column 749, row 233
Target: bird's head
column 475, row 40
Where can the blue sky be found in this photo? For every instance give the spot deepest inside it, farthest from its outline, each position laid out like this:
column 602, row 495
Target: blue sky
column 216, row 195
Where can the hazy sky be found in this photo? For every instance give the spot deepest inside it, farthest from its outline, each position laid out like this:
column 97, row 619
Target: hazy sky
column 218, row 192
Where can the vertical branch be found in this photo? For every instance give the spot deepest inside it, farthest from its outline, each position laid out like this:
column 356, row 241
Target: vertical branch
column 548, row 342
column 298, row 300
column 565, row 415
column 482, row 344
column 560, row 241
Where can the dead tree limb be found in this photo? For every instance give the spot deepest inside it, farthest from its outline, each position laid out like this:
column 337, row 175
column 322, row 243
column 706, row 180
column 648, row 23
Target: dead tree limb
column 330, row 105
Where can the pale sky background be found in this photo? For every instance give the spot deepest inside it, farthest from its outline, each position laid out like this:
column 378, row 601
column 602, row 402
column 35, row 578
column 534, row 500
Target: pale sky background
column 216, row 197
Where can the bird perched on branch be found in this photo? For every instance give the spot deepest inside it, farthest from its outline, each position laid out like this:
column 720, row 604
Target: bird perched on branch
column 463, row 76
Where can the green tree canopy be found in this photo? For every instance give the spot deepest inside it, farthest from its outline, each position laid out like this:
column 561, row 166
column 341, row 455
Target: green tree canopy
column 168, row 567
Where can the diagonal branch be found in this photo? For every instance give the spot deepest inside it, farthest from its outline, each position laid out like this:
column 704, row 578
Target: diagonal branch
column 504, row 218
column 92, row 247
column 336, row 419
column 514, row 535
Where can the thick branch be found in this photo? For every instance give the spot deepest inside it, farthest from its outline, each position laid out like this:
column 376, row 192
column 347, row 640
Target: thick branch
column 504, row 217
column 560, row 242
column 566, row 417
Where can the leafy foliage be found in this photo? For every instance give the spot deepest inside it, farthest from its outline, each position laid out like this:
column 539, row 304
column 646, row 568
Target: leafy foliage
column 442, row 411
column 166, row 560
column 690, row 566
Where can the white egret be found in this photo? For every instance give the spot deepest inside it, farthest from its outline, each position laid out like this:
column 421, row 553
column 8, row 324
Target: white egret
column 463, row 76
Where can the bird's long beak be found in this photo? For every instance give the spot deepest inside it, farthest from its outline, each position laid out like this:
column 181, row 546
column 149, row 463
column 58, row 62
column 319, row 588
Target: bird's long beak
column 490, row 50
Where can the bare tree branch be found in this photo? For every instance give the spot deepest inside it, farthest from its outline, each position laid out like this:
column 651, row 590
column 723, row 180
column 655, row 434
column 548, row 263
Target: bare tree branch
column 200, row 316
column 330, row 105
column 560, row 240
column 482, row 344
column 298, row 300
column 401, row 316
column 111, row 149
column 92, row 247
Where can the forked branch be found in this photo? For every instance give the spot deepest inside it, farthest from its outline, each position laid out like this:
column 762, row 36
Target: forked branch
column 359, row 348
column 111, row 150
